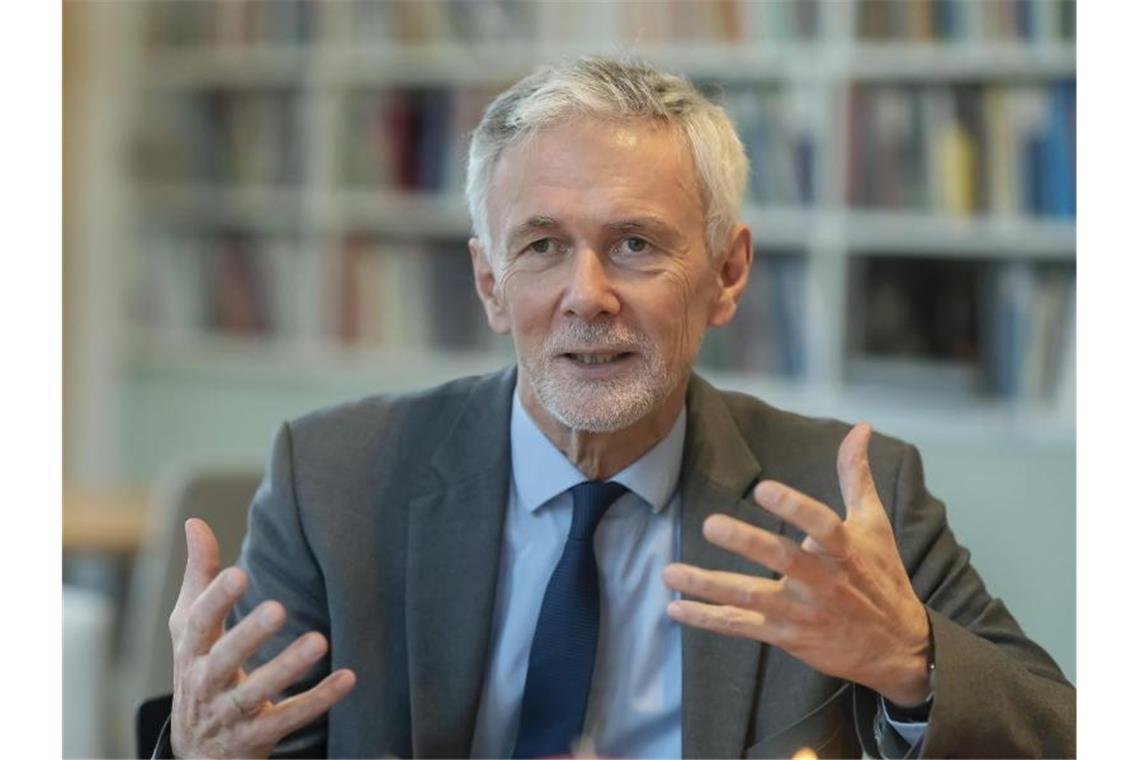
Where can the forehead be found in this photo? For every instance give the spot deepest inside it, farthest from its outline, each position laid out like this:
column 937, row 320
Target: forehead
column 591, row 170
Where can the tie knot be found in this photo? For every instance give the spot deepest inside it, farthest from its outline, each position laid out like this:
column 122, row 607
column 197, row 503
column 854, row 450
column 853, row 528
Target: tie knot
column 591, row 500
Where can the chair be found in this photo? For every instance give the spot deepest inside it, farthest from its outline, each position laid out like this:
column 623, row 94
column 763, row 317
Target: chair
column 87, row 624
column 219, row 496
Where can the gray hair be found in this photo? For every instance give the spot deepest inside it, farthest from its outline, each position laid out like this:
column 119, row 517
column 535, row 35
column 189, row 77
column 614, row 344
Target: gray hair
column 609, row 88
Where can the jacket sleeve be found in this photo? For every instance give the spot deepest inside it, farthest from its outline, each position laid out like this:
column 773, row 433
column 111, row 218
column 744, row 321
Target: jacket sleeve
column 996, row 693
column 281, row 565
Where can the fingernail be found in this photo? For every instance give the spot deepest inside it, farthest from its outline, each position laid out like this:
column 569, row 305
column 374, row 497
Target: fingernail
column 766, row 491
column 270, row 615
column 232, row 581
column 715, row 528
column 312, row 646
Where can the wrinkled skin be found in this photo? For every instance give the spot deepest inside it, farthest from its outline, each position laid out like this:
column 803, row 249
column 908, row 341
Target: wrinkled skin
column 599, row 246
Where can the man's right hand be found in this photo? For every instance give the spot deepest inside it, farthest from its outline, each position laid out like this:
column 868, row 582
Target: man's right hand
column 219, row 709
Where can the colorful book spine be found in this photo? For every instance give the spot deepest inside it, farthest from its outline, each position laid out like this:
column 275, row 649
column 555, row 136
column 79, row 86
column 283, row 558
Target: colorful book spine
column 964, row 150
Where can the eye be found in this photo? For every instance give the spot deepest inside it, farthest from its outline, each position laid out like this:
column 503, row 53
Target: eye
column 545, row 245
column 633, row 245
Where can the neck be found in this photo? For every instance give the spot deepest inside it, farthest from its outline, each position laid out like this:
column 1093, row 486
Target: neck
column 600, row 456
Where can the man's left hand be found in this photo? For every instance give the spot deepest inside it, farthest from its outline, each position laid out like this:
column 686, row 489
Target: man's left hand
column 843, row 603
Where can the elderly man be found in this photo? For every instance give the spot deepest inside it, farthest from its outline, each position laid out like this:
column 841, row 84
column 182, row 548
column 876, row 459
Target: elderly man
column 598, row 551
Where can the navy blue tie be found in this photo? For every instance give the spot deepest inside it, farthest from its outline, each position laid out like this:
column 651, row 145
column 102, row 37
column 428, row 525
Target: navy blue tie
column 566, row 636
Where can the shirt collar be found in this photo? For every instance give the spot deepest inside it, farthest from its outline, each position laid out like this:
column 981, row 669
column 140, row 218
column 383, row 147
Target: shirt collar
column 541, row 471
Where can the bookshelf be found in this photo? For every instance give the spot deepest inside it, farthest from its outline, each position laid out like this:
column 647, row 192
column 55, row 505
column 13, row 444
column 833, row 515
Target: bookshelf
column 262, row 228
column 294, row 223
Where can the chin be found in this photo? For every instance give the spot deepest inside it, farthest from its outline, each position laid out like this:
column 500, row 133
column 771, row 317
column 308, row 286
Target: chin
column 595, row 420
column 602, row 407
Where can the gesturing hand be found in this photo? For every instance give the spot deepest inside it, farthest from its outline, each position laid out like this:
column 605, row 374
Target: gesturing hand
column 219, row 710
column 844, row 604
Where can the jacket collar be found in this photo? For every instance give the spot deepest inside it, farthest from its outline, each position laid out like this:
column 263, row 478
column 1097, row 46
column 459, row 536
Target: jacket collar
column 455, row 531
column 719, row 673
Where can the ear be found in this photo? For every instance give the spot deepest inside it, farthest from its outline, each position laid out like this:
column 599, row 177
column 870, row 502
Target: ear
column 486, row 287
column 732, row 275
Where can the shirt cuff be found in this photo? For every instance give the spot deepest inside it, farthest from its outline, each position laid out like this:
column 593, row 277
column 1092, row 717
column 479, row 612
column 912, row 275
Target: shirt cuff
column 910, row 730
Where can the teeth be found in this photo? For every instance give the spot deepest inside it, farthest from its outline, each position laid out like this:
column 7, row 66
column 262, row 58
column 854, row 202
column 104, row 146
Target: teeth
column 595, row 358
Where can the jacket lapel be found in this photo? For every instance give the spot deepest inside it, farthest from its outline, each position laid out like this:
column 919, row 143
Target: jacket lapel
column 454, row 544
column 455, row 527
column 719, row 673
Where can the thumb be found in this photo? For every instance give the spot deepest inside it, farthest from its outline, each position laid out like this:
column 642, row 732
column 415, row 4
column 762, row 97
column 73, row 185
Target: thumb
column 854, row 470
column 202, row 560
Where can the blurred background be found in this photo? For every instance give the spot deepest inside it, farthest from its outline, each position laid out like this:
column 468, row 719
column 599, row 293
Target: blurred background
column 263, row 215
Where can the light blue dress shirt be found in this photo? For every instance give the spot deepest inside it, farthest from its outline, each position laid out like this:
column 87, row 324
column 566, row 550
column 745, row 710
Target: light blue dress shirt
column 634, row 707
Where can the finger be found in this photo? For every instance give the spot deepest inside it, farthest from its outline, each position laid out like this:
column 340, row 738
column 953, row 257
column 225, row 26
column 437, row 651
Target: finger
column 290, row 714
column 759, row 594
column 812, row 517
column 724, row 619
column 775, row 552
column 854, row 469
column 277, row 675
column 202, row 561
column 208, row 612
column 241, row 642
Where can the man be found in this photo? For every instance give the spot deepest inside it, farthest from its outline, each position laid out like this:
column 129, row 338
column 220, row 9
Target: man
column 598, row 551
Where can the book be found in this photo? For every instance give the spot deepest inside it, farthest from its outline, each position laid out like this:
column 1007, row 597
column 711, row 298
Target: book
column 239, row 286
column 946, row 21
column 297, row 292
column 1028, row 314
column 766, row 335
column 1058, row 153
column 775, row 132
column 964, row 150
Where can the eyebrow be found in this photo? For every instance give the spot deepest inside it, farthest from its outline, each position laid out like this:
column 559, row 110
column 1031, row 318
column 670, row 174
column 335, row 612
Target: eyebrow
column 642, row 224
column 646, row 224
column 534, row 224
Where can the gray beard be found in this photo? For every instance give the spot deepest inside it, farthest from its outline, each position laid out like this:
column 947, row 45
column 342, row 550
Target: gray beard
column 599, row 406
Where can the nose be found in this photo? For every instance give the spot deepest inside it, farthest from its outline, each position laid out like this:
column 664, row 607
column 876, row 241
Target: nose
column 591, row 292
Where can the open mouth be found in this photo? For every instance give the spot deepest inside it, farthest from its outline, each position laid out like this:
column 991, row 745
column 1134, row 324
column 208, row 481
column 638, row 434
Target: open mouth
column 598, row 358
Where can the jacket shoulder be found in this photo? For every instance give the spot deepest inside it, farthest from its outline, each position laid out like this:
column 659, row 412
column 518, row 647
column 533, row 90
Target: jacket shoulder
column 431, row 404
column 397, row 426
column 803, row 444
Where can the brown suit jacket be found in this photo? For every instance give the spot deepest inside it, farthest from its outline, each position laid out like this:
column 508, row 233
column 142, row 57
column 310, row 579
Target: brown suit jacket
column 379, row 522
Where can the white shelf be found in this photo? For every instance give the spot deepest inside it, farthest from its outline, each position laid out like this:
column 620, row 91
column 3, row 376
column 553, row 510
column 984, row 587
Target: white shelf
column 916, row 233
column 911, row 413
column 451, row 63
column 278, row 364
column 933, row 235
column 496, row 64
column 404, row 214
column 961, row 60
column 414, row 214
column 392, row 212
column 791, row 227
column 265, row 207
column 264, row 65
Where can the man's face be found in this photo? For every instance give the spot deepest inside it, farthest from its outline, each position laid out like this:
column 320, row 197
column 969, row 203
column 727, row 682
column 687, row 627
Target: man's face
column 600, row 272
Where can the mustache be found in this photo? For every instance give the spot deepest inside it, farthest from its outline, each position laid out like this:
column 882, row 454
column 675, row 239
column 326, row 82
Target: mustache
column 607, row 335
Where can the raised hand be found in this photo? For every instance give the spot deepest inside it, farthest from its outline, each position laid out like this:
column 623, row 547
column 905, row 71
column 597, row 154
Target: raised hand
column 219, row 709
column 843, row 603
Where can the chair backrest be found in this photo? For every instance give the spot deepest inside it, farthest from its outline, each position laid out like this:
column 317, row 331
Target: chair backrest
column 221, row 497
